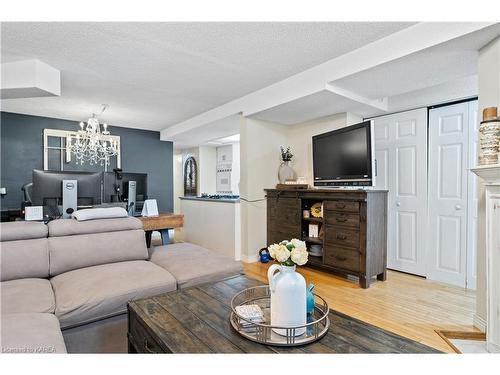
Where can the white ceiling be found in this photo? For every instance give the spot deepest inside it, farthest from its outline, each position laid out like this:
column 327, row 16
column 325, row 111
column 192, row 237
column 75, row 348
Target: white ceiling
column 445, row 72
column 154, row 75
column 320, row 104
column 211, row 134
column 442, row 63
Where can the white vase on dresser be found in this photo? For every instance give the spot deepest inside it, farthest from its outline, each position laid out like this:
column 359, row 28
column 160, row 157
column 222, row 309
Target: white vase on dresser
column 491, row 176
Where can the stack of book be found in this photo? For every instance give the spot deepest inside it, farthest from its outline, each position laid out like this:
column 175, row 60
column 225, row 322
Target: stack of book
column 253, row 313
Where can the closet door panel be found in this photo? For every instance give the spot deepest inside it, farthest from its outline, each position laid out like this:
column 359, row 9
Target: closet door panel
column 448, row 160
column 401, row 153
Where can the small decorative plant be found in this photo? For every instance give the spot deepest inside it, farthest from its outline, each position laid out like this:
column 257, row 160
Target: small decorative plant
column 286, row 154
column 289, row 253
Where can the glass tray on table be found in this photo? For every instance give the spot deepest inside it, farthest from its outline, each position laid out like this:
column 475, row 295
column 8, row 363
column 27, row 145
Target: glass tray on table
column 316, row 327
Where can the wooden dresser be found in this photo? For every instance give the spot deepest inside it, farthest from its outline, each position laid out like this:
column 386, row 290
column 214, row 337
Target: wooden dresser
column 353, row 229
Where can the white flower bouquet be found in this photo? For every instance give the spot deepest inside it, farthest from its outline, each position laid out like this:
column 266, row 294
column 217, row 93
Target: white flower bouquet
column 289, row 253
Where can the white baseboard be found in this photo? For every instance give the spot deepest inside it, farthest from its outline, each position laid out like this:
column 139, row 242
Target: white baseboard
column 492, row 348
column 250, row 258
column 479, row 323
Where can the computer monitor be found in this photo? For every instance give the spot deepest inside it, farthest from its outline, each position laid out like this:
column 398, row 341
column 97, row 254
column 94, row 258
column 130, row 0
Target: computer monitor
column 47, row 187
column 112, row 188
column 141, row 188
column 115, row 189
column 141, row 180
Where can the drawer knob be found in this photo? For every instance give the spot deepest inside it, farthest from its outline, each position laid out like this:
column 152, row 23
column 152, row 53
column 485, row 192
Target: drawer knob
column 340, row 205
column 341, row 236
column 342, row 219
column 340, row 258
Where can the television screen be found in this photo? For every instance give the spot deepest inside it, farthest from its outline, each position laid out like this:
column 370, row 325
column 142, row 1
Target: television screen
column 343, row 154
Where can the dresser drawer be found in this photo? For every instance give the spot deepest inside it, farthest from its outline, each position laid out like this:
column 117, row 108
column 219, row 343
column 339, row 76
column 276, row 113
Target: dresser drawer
column 342, row 258
column 346, row 206
column 342, row 236
column 342, row 218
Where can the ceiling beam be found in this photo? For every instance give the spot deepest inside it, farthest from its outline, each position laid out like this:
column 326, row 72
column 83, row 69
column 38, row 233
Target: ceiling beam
column 380, row 104
column 29, row 79
column 403, row 43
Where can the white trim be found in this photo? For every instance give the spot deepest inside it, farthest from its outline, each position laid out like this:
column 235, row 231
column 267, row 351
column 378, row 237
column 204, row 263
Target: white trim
column 249, row 258
column 69, row 133
column 237, row 232
column 479, row 323
column 380, row 104
column 492, row 348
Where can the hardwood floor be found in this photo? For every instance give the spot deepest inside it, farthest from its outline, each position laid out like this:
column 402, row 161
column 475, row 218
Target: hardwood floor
column 407, row 305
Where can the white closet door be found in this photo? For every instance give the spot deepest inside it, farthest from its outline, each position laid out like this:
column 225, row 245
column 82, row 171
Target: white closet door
column 401, row 154
column 448, row 161
column 473, row 197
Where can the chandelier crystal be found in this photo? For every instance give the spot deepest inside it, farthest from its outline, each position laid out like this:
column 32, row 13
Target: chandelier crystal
column 90, row 144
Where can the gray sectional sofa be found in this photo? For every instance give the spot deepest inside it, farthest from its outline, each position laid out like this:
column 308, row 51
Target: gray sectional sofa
column 65, row 286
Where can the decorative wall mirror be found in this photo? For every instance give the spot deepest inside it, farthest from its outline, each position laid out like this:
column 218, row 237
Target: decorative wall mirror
column 57, row 156
column 190, row 176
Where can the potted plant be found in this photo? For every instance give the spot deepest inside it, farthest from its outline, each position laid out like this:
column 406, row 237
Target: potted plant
column 285, row 171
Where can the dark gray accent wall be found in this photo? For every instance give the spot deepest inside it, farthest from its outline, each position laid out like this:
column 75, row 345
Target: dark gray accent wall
column 22, row 151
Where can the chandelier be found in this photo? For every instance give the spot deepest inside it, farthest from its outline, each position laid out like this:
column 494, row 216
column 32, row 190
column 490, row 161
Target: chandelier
column 90, row 144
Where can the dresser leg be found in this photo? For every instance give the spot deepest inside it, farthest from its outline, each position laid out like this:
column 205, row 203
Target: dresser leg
column 382, row 276
column 364, row 282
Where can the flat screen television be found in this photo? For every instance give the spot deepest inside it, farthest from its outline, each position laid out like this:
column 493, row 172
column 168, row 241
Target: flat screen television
column 344, row 157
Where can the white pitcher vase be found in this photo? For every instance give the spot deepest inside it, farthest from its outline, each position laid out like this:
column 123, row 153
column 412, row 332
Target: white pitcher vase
column 288, row 298
column 285, row 172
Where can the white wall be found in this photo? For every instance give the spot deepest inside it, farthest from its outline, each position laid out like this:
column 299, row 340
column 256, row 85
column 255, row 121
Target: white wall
column 260, row 143
column 235, row 176
column 207, row 170
column 259, row 161
column 489, row 96
column 214, row 225
column 178, row 187
column 299, row 138
column 206, row 160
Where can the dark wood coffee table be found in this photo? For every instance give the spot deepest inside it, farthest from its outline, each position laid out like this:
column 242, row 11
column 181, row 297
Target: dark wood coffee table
column 196, row 320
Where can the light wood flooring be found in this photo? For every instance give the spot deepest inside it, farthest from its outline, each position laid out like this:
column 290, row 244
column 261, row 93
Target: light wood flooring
column 407, row 305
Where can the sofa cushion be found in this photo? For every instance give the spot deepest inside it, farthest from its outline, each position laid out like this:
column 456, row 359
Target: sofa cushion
column 24, row 259
column 31, row 333
column 73, row 252
column 192, row 265
column 97, row 292
column 22, row 230
column 70, row 227
column 27, row 296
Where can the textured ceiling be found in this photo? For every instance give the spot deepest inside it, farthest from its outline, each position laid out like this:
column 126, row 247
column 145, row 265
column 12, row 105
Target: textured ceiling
column 435, row 75
column 313, row 106
column 154, row 75
column 449, row 61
